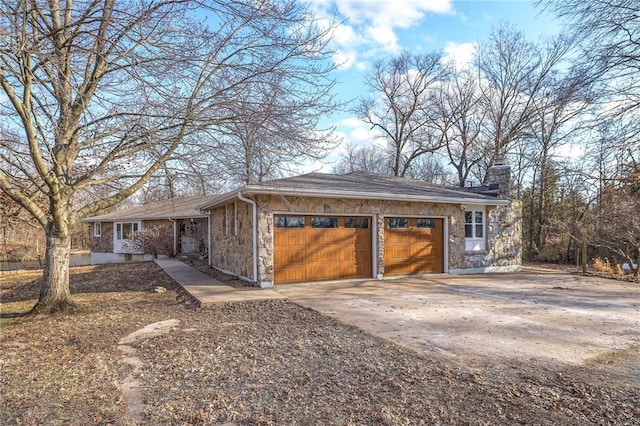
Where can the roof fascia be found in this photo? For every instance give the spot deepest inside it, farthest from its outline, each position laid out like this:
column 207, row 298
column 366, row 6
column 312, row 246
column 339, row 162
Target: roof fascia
column 120, row 219
column 356, row 195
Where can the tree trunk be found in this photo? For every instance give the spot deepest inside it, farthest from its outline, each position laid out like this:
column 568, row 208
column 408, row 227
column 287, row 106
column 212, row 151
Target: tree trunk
column 54, row 294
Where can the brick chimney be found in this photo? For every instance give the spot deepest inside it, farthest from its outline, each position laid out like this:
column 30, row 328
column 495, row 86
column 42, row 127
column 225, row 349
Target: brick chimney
column 500, row 174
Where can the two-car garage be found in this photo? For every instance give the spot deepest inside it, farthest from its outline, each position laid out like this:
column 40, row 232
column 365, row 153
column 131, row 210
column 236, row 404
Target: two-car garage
column 316, row 248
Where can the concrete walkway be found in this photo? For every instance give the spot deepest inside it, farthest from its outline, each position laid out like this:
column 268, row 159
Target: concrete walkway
column 207, row 290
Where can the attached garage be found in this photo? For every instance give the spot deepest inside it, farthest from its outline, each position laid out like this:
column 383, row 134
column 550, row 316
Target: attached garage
column 316, row 248
column 413, row 245
column 319, row 227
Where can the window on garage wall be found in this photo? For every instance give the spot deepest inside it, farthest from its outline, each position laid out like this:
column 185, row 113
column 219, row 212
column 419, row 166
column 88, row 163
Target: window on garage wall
column 397, row 222
column 97, row 229
column 235, row 218
column 324, row 222
column 474, row 230
column 426, row 223
column 356, row 222
column 289, row 221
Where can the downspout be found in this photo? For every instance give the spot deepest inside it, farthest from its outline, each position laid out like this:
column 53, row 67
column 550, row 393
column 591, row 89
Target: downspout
column 255, row 234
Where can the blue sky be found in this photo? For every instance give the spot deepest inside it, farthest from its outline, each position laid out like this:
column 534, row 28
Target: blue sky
column 378, row 29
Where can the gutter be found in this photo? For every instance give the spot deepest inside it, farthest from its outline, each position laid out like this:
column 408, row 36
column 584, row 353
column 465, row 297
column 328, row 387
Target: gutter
column 241, row 197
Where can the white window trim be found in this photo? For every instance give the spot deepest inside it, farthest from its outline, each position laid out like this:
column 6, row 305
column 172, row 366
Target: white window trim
column 122, row 245
column 137, row 224
column 97, row 229
column 476, row 243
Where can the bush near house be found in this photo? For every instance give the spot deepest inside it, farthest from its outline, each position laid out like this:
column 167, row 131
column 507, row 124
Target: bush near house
column 155, row 240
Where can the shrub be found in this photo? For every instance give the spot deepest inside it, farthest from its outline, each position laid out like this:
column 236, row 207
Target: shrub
column 602, row 265
column 549, row 254
column 618, row 269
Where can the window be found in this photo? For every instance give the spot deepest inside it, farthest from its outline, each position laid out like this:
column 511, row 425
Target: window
column 124, row 231
column 324, row 222
column 474, row 230
column 97, row 229
column 356, row 222
column 289, row 222
column 426, row 223
column 235, row 218
column 224, row 221
column 397, row 222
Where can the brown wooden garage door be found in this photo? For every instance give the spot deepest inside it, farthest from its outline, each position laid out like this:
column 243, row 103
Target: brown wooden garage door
column 413, row 245
column 315, row 248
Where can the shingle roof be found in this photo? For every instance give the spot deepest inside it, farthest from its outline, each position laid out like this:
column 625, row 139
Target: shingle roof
column 176, row 208
column 361, row 185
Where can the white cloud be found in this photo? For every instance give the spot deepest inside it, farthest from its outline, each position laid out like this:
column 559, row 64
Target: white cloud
column 460, row 54
column 371, row 24
column 357, row 133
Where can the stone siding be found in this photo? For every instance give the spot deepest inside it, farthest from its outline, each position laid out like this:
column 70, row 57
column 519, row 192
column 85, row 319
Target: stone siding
column 378, row 209
column 233, row 252
column 504, row 239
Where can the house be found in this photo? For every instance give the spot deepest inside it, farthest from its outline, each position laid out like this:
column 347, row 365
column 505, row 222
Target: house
column 360, row 225
column 180, row 227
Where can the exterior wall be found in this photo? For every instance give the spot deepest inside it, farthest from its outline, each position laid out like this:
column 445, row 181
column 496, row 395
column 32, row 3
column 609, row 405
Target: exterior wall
column 199, row 236
column 504, row 242
column 378, row 209
column 102, row 258
column 104, row 243
column 233, row 252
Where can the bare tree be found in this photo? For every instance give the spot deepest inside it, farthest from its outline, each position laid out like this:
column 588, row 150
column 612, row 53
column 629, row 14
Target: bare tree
column 102, row 94
column 461, row 119
column 616, row 227
column 609, row 32
column 402, row 88
column 514, row 72
column 275, row 128
column 369, row 159
column 558, row 115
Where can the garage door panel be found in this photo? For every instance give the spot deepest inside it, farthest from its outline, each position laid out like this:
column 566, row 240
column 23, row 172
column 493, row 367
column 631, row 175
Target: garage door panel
column 289, row 273
column 288, row 256
column 321, row 253
column 414, row 250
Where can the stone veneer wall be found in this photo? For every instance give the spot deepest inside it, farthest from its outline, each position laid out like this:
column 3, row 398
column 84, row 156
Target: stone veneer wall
column 104, row 243
column 379, row 209
column 233, row 253
column 504, row 240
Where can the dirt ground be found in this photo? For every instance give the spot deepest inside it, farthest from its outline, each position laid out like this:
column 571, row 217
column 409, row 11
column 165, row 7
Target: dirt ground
column 268, row 362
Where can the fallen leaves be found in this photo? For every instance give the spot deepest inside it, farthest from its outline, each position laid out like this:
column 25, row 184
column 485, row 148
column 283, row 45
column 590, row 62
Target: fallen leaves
column 271, row 362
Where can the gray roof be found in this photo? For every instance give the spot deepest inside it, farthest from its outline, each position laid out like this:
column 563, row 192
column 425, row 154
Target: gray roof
column 175, row 208
column 361, row 185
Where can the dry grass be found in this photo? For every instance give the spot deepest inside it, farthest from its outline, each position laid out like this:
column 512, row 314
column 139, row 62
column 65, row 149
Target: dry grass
column 268, row 362
column 602, row 265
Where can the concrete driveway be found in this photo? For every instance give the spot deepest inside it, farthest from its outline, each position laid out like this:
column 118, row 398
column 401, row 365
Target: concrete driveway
column 529, row 315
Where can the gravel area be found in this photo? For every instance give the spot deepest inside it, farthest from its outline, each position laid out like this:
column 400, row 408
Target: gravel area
column 268, row 362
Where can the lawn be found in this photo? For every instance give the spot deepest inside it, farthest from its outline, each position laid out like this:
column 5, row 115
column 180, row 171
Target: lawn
column 263, row 362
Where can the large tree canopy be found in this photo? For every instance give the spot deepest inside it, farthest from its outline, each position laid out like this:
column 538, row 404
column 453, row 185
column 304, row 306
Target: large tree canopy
column 98, row 95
